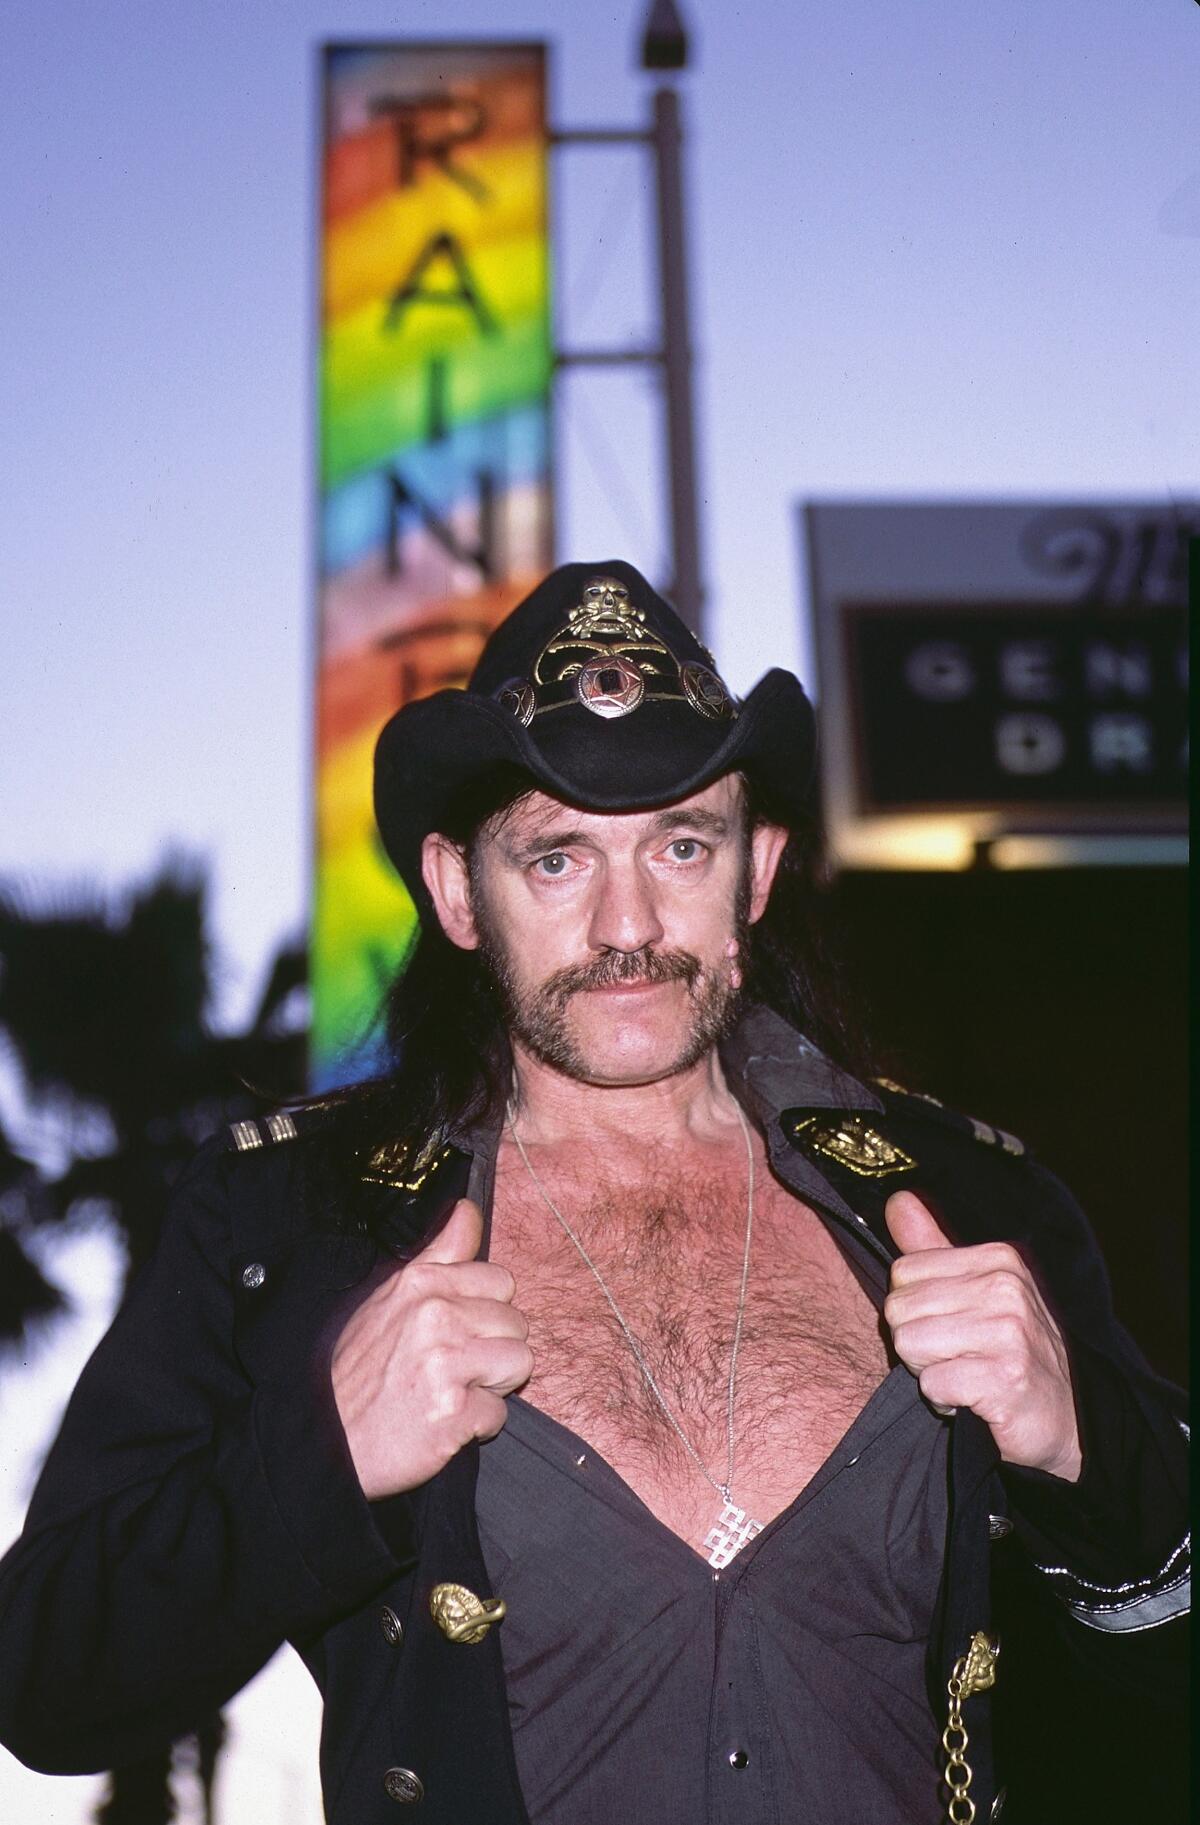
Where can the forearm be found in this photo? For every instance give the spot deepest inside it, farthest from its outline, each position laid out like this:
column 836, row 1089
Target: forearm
column 124, row 1624
column 192, row 1514
column 1114, row 1548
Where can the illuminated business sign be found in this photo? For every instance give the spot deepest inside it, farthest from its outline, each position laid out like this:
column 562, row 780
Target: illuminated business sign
column 1006, row 675
column 434, row 443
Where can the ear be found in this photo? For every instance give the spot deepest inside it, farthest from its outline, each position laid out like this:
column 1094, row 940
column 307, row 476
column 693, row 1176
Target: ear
column 767, row 842
column 444, row 871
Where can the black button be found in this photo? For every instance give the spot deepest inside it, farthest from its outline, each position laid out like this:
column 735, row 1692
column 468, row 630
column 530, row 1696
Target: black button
column 393, row 1628
column 739, row 1759
column 403, row 1785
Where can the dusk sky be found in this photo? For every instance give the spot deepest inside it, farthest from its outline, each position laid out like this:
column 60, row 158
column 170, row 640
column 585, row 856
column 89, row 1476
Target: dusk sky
column 937, row 251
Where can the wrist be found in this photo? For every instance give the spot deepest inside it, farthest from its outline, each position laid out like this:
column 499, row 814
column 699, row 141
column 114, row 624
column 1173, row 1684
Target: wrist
column 1069, row 1472
column 1068, row 1465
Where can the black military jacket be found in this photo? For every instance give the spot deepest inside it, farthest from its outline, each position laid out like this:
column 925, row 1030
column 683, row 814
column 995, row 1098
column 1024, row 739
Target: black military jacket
column 200, row 1506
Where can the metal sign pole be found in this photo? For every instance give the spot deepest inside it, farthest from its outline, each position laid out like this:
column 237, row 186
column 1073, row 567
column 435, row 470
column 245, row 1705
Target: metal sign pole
column 664, row 47
column 687, row 589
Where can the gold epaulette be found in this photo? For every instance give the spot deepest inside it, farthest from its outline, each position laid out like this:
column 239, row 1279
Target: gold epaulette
column 849, row 1141
column 404, row 1166
column 969, row 1124
column 248, row 1135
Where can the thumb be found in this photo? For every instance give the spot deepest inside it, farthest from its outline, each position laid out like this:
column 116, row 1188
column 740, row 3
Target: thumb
column 459, row 1238
column 912, row 1225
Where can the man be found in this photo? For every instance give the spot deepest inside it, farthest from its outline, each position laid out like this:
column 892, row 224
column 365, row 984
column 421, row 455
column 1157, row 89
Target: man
column 623, row 1408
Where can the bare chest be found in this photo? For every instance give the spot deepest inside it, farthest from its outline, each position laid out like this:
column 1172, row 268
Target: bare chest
column 811, row 1350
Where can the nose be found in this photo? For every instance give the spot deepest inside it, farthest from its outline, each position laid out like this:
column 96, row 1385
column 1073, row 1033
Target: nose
column 624, row 916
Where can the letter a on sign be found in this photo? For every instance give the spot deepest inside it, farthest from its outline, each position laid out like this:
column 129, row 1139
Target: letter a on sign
column 413, row 290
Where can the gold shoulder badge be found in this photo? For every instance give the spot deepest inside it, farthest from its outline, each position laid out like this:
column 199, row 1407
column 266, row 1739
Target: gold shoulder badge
column 982, row 1131
column 404, row 1167
column 851, row 1143
column 996, row 1137
column 248, row 1135
column 922, row 1096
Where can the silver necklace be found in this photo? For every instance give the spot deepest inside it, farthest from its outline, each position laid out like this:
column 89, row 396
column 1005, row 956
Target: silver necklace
column 733, row 1527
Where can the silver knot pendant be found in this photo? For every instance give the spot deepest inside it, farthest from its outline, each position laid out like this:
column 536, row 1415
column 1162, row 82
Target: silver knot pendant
column 726, row 1538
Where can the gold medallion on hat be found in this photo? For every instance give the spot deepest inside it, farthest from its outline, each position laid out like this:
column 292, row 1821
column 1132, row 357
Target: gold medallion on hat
column 603, row 625
column 610, row 685
column 704, row 691
column 517, row 697
column 607, row 658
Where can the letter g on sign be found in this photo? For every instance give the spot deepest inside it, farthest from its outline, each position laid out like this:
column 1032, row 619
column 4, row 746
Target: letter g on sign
column 939, row 671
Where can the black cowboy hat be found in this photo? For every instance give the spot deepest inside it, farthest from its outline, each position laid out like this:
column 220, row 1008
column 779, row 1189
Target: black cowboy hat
column 596, row 690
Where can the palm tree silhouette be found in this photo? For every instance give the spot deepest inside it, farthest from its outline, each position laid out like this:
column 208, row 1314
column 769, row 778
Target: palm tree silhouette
column 103, row 1005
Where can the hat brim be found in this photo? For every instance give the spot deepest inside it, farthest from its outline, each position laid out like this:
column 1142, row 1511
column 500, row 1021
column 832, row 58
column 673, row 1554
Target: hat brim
column 432, row 749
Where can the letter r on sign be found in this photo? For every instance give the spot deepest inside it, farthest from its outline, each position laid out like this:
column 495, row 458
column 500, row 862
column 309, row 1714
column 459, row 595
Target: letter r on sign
column 1121, row 742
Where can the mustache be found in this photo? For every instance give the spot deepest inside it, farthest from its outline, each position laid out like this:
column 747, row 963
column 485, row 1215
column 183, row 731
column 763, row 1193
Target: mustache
column 645, row 966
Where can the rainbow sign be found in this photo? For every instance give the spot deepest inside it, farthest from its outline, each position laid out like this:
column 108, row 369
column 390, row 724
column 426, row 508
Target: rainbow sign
column 434, row 491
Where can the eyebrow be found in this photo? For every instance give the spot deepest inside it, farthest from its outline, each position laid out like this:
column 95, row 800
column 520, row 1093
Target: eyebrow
column 546, row 843
column 711, row 821
column 540, row 844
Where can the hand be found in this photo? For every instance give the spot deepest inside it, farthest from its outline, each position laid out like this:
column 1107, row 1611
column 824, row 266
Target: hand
column 424, row 1364
column 972, row 1327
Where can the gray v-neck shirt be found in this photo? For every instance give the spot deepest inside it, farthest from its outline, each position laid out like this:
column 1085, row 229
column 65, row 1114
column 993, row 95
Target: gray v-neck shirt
column 789, row 1686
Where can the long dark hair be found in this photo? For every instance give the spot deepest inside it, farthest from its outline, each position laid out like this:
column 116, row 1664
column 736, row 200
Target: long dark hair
column 443, row 1024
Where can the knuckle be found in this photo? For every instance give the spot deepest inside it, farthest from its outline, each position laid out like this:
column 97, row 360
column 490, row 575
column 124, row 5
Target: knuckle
column 415, row 1281
column 1012, row 1331
column 448, row 1405
column 439, row 1366
column 435, row 1320
column 1004, row 1291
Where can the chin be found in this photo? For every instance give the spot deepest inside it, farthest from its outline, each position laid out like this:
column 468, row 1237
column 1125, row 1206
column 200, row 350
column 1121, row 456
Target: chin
column 631, row 1054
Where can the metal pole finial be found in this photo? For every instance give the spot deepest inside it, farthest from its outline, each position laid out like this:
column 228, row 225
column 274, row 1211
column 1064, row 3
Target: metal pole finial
column 664, row 38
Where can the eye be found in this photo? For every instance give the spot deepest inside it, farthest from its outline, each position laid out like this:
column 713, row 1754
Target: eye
column 552, row 865
column 685, row 849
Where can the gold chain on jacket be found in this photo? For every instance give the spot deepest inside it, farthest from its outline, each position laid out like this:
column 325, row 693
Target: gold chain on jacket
column 974, row 1671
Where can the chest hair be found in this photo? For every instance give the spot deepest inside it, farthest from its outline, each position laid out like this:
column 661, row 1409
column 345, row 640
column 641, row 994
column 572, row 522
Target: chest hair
column 670, row 1252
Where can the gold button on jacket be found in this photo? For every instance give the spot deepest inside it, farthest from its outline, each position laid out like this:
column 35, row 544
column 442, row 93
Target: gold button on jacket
column 461, row 1615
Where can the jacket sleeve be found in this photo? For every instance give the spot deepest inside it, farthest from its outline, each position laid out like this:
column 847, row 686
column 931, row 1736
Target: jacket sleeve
column 189, row 1518
column 1114, row 1548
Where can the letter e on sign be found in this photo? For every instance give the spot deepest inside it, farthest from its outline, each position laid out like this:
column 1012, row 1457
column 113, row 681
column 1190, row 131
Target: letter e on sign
column 1026, row 671
column 939, row 671
column 1028, row 742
